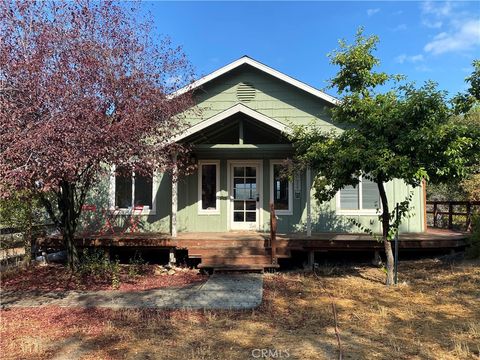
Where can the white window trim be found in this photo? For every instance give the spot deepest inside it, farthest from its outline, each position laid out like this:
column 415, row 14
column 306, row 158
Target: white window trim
column 340, row 211
column 290, row 190
column 128, row 211
column 217, row 188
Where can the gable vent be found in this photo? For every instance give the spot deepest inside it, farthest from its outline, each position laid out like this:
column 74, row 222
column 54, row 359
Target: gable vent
column 245, row 92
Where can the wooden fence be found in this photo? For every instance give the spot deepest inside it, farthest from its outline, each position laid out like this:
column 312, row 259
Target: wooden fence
column 457, row 214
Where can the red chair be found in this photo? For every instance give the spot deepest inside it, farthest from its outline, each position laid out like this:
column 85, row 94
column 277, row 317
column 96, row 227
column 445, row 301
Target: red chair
column 135, row 218
column 88, row 208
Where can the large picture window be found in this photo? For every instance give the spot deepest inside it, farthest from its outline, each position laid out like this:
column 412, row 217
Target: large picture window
column 208, row 187
column 281, row 192
column 132, row 190
column 364, row 198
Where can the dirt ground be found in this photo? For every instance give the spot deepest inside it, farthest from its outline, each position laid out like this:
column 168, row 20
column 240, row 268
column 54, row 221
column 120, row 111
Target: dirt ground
column 433, row 314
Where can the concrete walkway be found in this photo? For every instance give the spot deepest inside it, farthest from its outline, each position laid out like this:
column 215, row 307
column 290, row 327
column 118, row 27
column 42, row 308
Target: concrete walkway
column 221, row 291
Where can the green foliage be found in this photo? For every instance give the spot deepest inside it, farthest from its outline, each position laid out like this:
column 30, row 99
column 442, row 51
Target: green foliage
column 404, row 212
column 21, row 211
column 403, row 133
column 137, row 265
column 473, row 250
column 464, row 102
column 97, row 263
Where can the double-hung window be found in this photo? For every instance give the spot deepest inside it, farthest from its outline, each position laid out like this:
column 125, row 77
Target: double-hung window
column 208, row 187
column 362, row 199
column 281, row 189
column 132, row 190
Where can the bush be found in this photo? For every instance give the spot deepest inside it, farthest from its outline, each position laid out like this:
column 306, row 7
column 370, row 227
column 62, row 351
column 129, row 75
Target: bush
column 137, row 265
column 473, row 250
column 98, row 264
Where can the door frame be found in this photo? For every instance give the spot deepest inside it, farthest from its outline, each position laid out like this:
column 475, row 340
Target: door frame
column 259, row 164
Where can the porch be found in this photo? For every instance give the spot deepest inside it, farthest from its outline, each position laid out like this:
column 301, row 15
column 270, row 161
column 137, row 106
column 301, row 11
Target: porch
column 251, row 250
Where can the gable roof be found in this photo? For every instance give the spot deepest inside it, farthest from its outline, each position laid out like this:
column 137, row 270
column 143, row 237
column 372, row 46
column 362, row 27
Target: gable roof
column 245, row 60
column 238, row 108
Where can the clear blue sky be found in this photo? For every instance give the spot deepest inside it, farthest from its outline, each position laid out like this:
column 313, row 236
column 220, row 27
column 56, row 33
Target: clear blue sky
column 422, row 40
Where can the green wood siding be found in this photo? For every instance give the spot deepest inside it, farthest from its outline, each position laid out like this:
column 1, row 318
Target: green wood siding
column 274, row 98
column 288, row 105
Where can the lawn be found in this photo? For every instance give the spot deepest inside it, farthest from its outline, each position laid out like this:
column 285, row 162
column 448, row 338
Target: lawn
column 433, row 314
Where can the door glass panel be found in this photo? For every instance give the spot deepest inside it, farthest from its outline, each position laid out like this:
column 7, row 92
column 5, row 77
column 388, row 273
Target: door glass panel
column 245, row 193
column 239, row 171
column 250, row 171
column 250, row 205
column 250, row 216
column 238, row 216
column 238, row 205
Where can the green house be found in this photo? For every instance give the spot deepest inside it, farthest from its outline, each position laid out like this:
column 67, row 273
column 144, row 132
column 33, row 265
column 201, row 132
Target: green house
column 237, row 134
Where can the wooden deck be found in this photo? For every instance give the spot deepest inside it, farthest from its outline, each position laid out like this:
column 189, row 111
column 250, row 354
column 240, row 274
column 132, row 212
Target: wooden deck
column 240, row 250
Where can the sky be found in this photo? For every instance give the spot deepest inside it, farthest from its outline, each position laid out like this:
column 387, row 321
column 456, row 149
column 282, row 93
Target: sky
column 422, row 40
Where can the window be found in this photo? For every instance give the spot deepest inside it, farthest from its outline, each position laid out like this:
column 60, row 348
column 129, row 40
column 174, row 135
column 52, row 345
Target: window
column 281, row 189
column 132, row 190
column 208, row 187
column 364, row 198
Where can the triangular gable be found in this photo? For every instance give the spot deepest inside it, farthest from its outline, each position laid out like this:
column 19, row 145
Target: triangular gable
column 236, row 109
column 245, row 60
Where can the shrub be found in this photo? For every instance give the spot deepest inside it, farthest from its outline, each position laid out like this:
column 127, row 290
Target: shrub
column 98, row 264
column 137, row 265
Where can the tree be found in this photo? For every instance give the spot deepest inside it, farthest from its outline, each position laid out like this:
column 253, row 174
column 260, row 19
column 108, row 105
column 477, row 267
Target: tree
column 466, row 113
column 23, row 212
column 83, row 85
column 403, row 133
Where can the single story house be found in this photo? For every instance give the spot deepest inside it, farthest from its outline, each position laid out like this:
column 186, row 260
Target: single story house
column 237, row 134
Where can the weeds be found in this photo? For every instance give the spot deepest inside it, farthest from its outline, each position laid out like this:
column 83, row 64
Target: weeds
column 137, row 265
column 98, row 264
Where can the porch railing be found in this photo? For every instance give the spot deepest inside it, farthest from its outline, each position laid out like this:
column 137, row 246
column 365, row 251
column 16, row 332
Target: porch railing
column 451, row 214
column 273, row 234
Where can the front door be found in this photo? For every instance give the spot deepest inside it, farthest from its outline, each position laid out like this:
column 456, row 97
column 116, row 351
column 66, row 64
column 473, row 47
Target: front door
column 245, row 196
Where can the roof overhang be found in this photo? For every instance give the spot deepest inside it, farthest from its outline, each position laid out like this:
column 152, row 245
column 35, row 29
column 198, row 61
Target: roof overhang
column 236, row 109
column 245, row 60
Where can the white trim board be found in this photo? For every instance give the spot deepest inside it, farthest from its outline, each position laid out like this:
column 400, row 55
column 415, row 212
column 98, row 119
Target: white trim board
column 245, row 60
column 238, row 108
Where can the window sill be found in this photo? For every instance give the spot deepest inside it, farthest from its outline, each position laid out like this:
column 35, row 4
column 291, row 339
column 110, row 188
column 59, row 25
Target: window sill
column 359, row 212
column 211, row 212
column 283, row 212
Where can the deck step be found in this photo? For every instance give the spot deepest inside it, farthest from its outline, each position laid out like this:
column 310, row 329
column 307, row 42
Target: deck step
column 237, row 260
column 226, row 251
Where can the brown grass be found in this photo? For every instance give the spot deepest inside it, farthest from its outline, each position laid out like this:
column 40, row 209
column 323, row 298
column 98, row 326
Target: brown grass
column 433, row 314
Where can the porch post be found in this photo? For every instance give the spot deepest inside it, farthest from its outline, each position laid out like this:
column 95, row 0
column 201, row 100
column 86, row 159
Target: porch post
column 174, row 195
column 309, row 208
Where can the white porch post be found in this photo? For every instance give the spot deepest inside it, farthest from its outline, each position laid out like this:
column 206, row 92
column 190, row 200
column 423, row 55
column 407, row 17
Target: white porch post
column 174, row 196
column 309, row 208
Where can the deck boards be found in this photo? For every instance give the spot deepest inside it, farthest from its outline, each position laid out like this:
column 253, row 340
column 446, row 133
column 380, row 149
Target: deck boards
column 243, row 250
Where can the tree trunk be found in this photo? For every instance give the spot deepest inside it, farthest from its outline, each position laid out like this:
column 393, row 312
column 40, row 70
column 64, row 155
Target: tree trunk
column 28, row 237
column 68, row 223
column 385, row 229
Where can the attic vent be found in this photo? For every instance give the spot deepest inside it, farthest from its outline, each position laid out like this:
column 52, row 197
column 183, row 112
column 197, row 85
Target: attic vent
column 245, row 92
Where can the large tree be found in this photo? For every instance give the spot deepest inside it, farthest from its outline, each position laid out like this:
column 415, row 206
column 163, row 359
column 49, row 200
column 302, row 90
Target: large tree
column 83, row 85
column 403, row 133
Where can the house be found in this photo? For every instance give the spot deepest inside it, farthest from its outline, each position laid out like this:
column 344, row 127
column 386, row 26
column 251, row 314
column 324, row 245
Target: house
column 237, row 134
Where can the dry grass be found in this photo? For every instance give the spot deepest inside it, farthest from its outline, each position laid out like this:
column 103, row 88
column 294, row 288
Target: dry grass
column 433, row 314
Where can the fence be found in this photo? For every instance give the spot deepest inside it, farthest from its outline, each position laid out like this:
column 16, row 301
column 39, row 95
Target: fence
column 451, row 214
